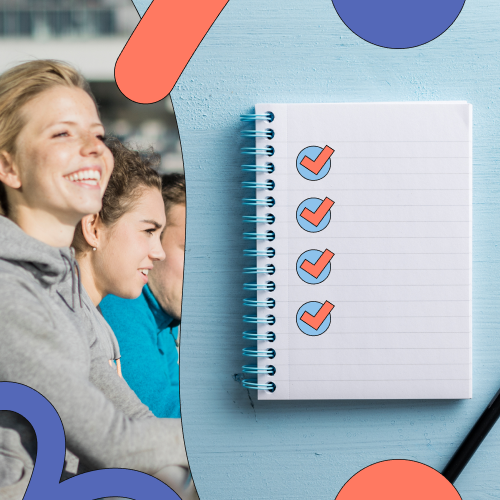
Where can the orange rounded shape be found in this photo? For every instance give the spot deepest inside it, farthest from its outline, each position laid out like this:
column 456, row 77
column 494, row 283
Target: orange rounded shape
column 161, row 46
column 396, row 480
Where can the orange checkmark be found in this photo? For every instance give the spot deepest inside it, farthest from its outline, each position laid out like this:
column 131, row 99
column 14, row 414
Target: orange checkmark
column 316, row 165
column 316, row 217
column 317, row 268
column 317, row 320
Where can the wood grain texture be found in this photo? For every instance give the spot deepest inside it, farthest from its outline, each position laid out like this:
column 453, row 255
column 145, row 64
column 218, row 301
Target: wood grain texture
column 300, row 51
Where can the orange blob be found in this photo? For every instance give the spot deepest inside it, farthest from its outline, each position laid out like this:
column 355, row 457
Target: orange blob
column 161, row 46
column 396, row 480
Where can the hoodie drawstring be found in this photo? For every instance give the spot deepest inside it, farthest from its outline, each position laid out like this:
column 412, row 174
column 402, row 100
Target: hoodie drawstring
column 79, row 281
column 74, row 269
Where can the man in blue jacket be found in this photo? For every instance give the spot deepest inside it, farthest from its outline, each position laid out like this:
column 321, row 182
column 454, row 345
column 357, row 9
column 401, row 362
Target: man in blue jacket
column 147, row 327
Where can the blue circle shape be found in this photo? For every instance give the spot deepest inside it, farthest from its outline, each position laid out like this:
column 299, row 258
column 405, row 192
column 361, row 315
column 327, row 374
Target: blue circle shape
column 312, row 308
column 398, row 24
column 312, row 256
column 312, row 204
column 312, row 152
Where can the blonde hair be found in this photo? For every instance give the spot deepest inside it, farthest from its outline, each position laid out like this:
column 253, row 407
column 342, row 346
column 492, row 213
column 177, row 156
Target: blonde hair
column 20, row 85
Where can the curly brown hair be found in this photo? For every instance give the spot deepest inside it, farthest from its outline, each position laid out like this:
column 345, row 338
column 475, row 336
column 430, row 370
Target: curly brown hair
column 133, row 171
column 173, row 191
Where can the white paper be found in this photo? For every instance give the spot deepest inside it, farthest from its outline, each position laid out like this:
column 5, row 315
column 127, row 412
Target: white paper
column 401, row 232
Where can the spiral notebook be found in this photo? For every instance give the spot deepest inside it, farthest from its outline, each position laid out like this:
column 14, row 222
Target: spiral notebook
column 363, row 250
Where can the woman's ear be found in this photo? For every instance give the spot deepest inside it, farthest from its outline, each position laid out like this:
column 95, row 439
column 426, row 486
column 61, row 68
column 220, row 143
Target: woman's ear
column 8, row 171
column 90, row 230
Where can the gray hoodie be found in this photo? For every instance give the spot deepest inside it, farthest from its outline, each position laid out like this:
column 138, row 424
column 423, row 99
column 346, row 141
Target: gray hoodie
column 45, row 344
column 103, row 347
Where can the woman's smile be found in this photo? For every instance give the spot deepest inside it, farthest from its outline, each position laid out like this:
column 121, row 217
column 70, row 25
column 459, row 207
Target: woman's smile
column 64, row 165
column 88, row 177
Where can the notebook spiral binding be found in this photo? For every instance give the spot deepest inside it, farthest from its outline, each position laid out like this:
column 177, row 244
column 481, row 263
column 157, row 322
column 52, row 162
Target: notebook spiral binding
column 269, row 269
column 268, row 167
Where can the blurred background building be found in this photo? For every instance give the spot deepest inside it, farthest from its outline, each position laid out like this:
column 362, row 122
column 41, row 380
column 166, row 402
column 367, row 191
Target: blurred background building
column 90, row 34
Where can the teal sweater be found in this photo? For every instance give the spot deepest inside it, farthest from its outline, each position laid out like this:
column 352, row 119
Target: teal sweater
column 149, row 359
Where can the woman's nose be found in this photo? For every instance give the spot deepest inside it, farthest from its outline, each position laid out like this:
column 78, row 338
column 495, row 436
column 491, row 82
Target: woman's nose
column 157, row 252
column 92, row 145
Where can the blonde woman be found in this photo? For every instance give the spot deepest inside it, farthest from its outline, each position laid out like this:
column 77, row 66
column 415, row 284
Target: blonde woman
column 54, row 167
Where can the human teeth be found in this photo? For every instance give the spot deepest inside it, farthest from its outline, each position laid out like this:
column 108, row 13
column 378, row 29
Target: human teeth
column 85, row 175
column 145, row 271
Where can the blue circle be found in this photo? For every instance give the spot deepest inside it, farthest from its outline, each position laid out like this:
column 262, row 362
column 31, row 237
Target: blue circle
column 397, row 24
column 312, row 152
column 312, row 204
column 312, row 256
column 312, row 308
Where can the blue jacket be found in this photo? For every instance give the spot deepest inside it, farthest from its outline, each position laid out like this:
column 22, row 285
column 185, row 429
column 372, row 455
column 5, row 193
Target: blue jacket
column 149, row 358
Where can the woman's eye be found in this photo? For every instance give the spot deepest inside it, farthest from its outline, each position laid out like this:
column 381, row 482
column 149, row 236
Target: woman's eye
column 102, row 137
column 151, row 231
column 61, row 134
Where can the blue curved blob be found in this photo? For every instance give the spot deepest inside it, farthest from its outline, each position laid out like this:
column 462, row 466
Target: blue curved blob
column 50, row 458
column 49, row 434
column 398, row 24
column 114, row 482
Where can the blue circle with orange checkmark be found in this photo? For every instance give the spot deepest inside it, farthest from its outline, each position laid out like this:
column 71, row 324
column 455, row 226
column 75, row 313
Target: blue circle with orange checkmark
column 313, row 214
column 313, row 318
column 313, row 162
column 314, row 266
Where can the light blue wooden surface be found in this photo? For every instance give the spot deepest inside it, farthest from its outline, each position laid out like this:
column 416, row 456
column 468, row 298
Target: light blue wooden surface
column 300, row 51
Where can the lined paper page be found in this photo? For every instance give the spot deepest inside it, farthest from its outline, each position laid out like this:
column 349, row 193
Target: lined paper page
column 400, row 230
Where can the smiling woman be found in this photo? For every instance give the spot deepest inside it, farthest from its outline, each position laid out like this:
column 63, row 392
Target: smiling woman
column 54, row 168
column 116, row 248
column 45, row 146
